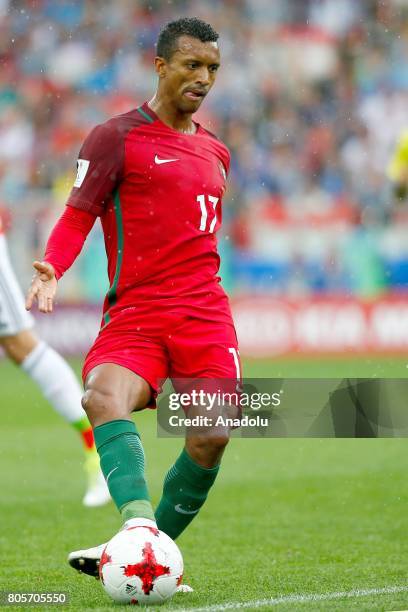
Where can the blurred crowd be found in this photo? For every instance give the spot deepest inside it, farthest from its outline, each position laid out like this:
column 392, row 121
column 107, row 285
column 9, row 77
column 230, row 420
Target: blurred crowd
column 311, row 99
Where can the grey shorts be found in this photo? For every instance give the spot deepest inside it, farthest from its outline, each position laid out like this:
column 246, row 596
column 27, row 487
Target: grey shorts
column 13, row 316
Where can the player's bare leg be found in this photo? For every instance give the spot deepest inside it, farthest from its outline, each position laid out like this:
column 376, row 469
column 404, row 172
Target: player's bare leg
column 207, row 451
column 113, row 392
column 61, row 388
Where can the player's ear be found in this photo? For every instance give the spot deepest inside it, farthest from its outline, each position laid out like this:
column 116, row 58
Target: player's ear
column 160, row 66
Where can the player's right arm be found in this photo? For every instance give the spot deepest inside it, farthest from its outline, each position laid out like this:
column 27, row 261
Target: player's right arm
column 43, row 287
column 63, row 247
column 99, row 169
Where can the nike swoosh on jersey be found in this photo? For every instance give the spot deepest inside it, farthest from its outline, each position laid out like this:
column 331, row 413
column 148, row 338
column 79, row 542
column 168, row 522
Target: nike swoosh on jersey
column 159, row 161
column 179, row 509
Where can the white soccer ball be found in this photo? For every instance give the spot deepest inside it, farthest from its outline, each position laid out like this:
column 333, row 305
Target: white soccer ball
column 141, row 565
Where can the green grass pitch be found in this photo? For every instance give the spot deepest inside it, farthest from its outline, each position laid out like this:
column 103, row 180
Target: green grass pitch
column 287, row 517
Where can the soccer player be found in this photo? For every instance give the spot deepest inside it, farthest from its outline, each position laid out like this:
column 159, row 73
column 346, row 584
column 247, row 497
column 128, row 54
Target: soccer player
column 46, row 368
column 156, row 180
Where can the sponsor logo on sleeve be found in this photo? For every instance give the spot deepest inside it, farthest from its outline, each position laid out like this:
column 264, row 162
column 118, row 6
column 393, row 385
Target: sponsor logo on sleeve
column 82, row 169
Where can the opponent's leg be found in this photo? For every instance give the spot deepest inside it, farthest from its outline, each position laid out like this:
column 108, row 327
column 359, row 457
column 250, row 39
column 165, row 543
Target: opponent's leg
column 60, row 387
column 53, row 375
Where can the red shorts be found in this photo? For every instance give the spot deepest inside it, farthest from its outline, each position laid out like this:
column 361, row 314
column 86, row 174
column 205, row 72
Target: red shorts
column 160, row 346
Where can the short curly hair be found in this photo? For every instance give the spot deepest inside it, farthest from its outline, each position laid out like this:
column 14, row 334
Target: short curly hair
column 186, row 26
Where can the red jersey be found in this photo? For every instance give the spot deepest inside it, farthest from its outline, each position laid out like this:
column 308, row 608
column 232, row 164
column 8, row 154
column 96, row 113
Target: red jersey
column 158, row 193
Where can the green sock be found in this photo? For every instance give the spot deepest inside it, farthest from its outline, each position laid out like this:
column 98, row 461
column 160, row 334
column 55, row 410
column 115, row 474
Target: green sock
column 122, row 463
column 185, row 490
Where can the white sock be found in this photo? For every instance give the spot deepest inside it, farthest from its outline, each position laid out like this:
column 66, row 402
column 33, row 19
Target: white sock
column 139, row 522
column 56, row 380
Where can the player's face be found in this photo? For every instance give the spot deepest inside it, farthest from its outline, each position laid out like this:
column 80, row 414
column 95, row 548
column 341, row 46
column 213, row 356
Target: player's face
column 190, row 73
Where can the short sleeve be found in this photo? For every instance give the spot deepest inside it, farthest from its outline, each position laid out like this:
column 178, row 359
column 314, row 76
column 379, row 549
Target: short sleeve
column 99, row 169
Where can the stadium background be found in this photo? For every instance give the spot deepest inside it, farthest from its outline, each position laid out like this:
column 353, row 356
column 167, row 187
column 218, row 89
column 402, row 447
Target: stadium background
column 311, row 99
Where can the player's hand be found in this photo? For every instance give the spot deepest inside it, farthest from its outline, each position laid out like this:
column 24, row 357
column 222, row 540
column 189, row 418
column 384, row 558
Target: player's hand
column 43, row 287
